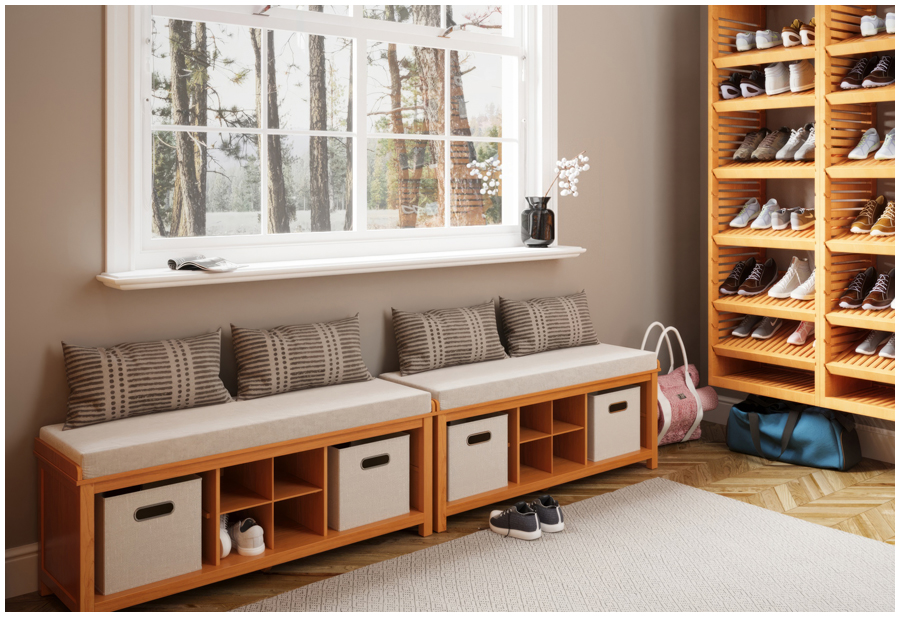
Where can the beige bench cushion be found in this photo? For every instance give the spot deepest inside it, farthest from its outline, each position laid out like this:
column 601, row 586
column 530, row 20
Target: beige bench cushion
column 157, row 439
column 471, row 384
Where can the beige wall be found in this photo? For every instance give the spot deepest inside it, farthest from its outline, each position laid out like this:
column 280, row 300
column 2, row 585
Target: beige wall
column 631, row 98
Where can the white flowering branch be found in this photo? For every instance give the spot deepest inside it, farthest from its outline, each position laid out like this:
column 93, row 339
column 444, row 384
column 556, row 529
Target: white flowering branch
column 490, row 173
column 567, row 172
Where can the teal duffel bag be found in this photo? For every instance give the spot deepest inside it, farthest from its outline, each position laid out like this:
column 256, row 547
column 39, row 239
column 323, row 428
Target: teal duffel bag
column 792, row 433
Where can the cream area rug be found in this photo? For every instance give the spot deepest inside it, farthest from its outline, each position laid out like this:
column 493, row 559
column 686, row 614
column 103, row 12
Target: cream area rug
column 654, row 546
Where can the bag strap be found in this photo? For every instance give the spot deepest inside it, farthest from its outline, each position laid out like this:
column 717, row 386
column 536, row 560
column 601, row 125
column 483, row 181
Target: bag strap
column 688, row 383
column 659, row 343
column 786, row 434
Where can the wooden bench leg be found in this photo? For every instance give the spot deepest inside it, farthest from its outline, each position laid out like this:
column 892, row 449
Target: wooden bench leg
column 425, row 477
column 651, row 413
column 43, row 590
column 440, row 474
column 86, row 548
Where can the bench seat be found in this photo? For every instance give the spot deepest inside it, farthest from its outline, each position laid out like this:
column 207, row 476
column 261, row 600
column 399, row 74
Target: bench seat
column 473, row 384
column 157, row 439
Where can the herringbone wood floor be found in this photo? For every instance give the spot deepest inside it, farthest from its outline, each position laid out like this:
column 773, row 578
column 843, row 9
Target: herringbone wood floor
column 860, row 501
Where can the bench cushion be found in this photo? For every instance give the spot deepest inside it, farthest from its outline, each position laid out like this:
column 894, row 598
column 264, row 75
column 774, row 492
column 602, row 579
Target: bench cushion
column 157, row 439
column 471, row 384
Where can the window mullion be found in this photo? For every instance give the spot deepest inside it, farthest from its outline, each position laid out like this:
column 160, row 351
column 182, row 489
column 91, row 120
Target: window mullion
column 263, row 122
column 448, row 151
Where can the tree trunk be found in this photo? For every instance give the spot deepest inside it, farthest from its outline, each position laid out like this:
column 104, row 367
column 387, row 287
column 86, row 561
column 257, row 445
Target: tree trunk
column 199, row 94
column 430, row 62
column 467, row 202
column 320, row 214
column 348, row 185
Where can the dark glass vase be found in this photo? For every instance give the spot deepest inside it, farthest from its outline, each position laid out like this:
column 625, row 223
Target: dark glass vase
column 538, row 223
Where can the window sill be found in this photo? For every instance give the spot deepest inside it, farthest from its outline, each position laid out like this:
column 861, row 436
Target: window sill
column 163, row 277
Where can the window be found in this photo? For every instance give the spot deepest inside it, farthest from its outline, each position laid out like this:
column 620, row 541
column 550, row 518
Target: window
column 317, row 132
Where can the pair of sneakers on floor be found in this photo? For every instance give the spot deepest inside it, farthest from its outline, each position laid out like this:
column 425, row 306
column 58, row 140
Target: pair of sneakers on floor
column 527, row 521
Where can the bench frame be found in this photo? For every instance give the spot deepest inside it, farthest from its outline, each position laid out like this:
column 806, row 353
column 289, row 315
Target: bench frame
column 66, row 566
column 552, row 449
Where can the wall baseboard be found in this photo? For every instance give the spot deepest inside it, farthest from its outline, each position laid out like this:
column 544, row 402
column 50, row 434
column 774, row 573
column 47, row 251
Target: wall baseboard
column 21, row 570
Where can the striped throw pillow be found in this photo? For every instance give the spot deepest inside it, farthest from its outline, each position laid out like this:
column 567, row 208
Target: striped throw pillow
column 290, row 358
column 446, row 337
column 134, row 379
column 542, row 324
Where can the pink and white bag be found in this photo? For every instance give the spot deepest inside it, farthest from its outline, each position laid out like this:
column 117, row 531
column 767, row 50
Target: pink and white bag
column 681, row 403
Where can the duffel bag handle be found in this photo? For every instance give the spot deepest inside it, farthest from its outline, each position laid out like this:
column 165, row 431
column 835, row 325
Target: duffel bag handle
column 659, row 343
column 789, row 426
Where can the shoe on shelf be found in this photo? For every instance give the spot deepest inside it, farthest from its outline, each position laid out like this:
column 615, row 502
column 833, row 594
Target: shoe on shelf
column 781, row 219
column 882, row 74
column 224, row 538
column 739, row 274
column 748, row 324
column 807, row 151
column 778, row 78
column 888, row 350
column 806, row 291
column 745, row 41
column 870, row 343
column 889, row 28
column 731, row 87
column 753, row 84
column 869, row 25
column 767, row 328
column 794, row 143
column 766, row 39
column 519, row 521
column 805, row 330
column 866, row 218
column 749, row 212
column 886, row 151
column 796, row 275
column 868, row 143
column 751, row 141
column 549, row 514
column 884, row 226
column 790, row 34
column 770, row 146
column 857, row 74
column 764, row 220
column 802, row 76
column 882, row 294
column 808, row 32
column 803, row 218
column 247, row 537
column 859, row 287
column 761, row 278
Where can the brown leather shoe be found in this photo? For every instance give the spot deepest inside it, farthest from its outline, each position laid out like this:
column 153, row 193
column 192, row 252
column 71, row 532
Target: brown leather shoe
column 882, row 294
column 761, row 278
column 858, row 289
column 737, row 277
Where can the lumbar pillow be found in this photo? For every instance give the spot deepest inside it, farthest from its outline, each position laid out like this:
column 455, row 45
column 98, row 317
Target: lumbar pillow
column 446, row 337
column 134, row 379
column 542, row 324
column 290, row 358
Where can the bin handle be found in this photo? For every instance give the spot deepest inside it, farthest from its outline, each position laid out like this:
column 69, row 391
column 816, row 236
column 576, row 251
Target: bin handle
column 476, row 438
column 620, row 406
column 156, row 510
column 378, row 460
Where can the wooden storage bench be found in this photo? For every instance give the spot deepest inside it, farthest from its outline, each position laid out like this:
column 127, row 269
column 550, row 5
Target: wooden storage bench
column 545, row 398
column 274, row 469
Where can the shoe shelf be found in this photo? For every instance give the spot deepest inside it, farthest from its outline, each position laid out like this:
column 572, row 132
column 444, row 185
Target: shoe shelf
column 765, row 56
column 859, row 366
column 868, row 168
column 775, row 350
column 766, row 170
column 863, row 45
column 776, row 101
column 873, row 400
column 884, row 94
column 866, row 320
column 768, row 380
column 847, row 242
column 768, row 238
column 765, row 305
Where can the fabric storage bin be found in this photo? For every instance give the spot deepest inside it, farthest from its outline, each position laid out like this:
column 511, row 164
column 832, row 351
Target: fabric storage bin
column 368, row 481
column 477, row 457
column 614, row 423
column 147, row 534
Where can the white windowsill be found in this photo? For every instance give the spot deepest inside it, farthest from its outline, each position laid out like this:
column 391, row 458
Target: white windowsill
column 163, row 277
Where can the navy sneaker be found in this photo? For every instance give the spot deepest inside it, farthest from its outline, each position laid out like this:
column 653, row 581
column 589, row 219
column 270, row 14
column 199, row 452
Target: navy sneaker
column 549, row 514
column 519, row 521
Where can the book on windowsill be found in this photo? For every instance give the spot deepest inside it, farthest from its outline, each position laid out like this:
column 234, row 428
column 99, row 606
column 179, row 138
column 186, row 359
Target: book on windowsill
column 201, row 262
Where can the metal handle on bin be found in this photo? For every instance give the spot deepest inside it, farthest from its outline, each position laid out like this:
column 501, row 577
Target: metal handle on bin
column 156, row 510
column 379, row 460
column 620, row 406
column 477, row 438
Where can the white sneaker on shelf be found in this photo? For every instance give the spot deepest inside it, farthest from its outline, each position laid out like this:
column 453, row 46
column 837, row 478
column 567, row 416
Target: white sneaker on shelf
column 795, row 142
column 745, row 41
column 870, row 25
column 802, row 333
column 764, row 220
column 889, row 28
column 796, row 275
column 749, row 212
column 247, row 537
column 888, row 350
column 766, row 39
column 806, row 291
column 872, row 342
column 802, row 76
column 224, row 538
column 778, row 78
column 868, row 143
column 807, row 151
column 887, row 148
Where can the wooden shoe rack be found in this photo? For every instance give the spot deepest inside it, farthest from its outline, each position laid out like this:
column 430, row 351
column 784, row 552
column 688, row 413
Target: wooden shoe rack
column 831, row 374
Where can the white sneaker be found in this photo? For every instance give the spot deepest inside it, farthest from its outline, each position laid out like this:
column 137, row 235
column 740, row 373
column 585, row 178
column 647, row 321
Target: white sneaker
column 745, row 41
column 807, row 151
column 806, row 291
column 778, row 78
column 766, row 39
column 749, row 212
column 802, row 333
column 247, row 537
column 868, row 143
column 887, row 148
column 889, row 28
column 872, row 342
column 888, row 350
column 870, row 25
column 796, row 275
column 764, row 220
column 803, row 76
column 797, row 139
column 224, row 538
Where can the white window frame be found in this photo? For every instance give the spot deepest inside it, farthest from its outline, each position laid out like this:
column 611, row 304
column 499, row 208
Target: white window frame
column 128, row 252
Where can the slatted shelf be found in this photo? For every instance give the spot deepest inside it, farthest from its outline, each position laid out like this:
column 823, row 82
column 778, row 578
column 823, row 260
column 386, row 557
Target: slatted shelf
column 763, row 304
column 865, row 320
column 868, row 168
column 876, row 401
column 863, row 45
column 858, row 96
column 766, row 170
column 768, row 238
column 765, row 56
column 807, row 98
column 859, row 366
column 776, row 381
column 775, row 350
column 847, row 242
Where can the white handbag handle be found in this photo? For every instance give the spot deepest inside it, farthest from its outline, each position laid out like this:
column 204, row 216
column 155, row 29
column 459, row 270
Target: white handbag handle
column 667, row 417
column 659, row 343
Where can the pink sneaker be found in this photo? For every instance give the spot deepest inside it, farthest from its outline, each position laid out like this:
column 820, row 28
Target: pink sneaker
column 805, row 330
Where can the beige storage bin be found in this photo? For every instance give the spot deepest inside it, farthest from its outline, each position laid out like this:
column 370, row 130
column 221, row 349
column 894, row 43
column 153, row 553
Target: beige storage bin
column 368, row 481
column 614, row 423
column 477, row 456
column 147, row 534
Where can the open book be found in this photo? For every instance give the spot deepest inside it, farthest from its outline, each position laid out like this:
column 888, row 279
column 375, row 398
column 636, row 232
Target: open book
column 201, row 262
